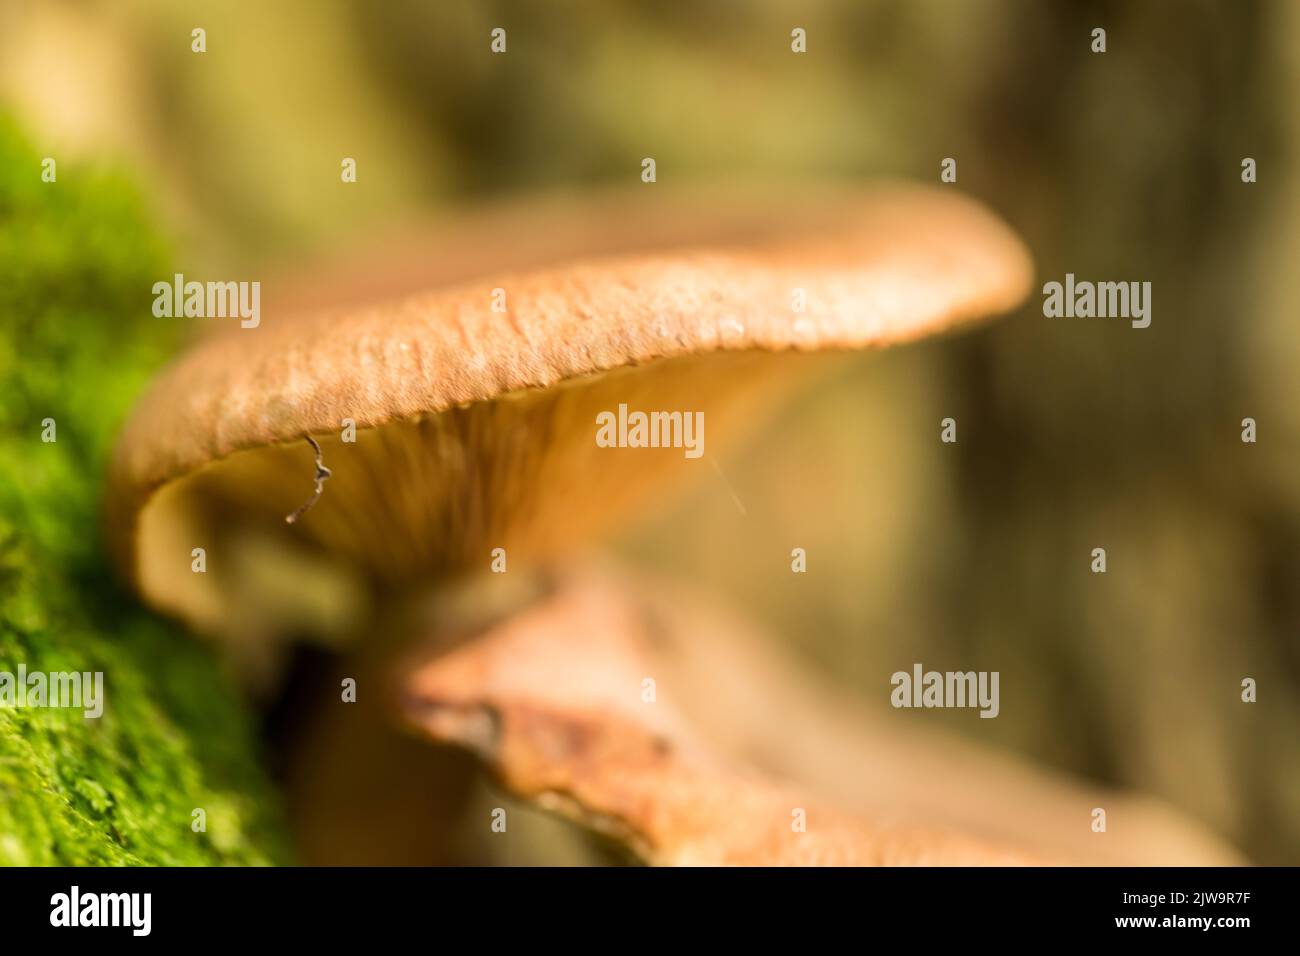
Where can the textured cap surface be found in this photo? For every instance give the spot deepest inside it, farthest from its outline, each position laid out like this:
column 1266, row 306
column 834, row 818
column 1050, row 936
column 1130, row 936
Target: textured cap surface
column 891, row 266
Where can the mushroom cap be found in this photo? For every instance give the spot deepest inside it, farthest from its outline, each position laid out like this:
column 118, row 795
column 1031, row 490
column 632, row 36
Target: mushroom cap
column 476, row 428
column 552, row 701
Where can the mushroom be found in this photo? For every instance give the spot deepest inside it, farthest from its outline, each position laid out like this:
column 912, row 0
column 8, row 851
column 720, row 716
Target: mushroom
column 475, row 429
column 740, row 740
column 552, row 700
column 476, row 434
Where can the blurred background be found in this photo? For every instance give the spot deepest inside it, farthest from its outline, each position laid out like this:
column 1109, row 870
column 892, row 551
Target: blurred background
column 1073, row 434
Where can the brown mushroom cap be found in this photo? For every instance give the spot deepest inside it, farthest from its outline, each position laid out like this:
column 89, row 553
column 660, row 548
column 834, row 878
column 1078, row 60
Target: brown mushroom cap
column 476, row 429
column 552, row 700
column 737, row 733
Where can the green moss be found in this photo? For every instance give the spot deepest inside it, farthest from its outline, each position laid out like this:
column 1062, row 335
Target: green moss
column 77, row 342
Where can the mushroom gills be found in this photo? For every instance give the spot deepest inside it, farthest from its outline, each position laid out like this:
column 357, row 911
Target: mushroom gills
column 414, row 503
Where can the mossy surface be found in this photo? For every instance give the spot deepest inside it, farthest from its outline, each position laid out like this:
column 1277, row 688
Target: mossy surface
column 77, row 342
